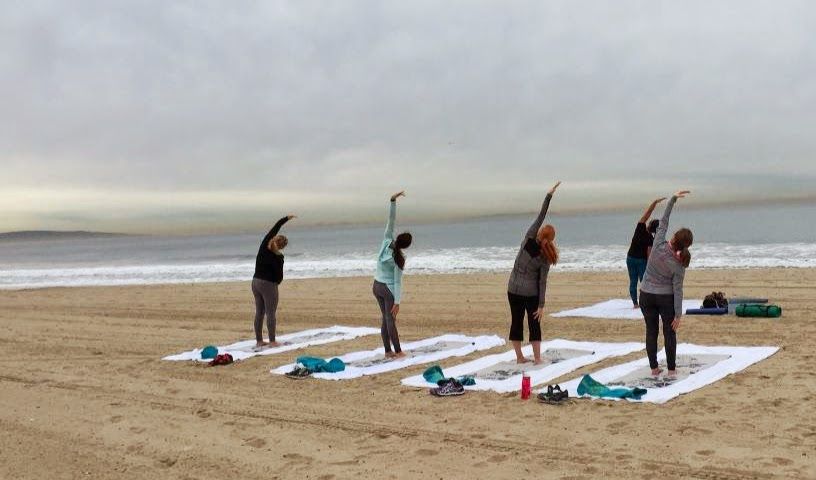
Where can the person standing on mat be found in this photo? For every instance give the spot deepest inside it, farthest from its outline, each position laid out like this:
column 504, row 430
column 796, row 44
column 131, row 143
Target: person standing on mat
column 268, row 275
column 528, row 281
column 661, row 292
column 387, row 287
column 639, row 250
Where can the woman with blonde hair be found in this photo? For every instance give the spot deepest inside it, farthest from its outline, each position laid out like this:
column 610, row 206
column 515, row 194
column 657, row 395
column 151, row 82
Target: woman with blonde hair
column 661, row 292
column 268, row 275
column 528, row 281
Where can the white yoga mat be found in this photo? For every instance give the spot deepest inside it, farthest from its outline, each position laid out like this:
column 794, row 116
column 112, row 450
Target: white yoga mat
column 291, row 341
column 697, row 366
column 615, row 308
column 500, row 372
column 372, row 362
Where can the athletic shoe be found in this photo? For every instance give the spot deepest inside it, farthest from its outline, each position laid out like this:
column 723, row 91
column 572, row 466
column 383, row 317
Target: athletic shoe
column 448, row 388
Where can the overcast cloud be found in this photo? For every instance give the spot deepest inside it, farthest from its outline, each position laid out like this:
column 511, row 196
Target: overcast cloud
column 196, row 116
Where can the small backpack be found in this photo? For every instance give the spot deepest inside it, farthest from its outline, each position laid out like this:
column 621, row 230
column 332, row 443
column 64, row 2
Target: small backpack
column 715, row 300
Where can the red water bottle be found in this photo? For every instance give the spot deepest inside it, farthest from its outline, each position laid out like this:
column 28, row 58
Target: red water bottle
column 526, row 389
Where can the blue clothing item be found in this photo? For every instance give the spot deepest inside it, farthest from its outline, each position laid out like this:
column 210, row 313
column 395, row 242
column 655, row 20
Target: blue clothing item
column 316, row 365
column 434, row 375
column 590, row 386
column 387, row 270
column 636, row 267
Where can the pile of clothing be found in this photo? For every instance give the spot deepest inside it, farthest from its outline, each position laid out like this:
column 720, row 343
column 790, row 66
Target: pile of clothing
column 446, row 387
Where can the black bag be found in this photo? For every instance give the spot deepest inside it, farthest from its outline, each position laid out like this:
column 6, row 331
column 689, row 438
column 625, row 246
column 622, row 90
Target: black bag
column 715, row 300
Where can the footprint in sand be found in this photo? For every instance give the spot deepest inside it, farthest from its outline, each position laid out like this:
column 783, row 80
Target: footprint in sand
column 255, row 442
column 203, row 413
column 497, row 458
column 137, row 429
column 426, row 452
column 705, row 453
column 116, row 419
column 168, row 462
column 782, row 461
column 296, row 457
column 478, row 436
column 328, row 476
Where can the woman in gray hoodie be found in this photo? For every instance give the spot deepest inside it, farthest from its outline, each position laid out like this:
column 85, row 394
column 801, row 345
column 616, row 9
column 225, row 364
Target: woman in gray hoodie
column 661, row 292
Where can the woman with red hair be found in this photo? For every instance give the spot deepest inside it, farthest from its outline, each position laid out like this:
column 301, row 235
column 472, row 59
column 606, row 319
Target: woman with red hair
column 528, row 281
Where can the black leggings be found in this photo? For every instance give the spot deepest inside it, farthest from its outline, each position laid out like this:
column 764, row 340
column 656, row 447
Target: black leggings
column 388, row 330
column 654, row 308
column 518, row 305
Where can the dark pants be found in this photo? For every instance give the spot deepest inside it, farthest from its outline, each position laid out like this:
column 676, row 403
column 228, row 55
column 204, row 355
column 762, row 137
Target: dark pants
column 654, row 308
column 636, row 267
column 388, row 330
column 518, row 305
column 266, row 302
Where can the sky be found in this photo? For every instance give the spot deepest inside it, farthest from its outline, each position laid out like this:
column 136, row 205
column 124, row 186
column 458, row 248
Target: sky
column 203, row 116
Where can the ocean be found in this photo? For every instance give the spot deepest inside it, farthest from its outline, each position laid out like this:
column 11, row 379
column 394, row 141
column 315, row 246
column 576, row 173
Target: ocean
column 725, row 237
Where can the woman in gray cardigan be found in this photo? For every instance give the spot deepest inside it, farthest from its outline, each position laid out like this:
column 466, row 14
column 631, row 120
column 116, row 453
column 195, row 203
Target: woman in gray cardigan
column 528, row 281
column 661, row 292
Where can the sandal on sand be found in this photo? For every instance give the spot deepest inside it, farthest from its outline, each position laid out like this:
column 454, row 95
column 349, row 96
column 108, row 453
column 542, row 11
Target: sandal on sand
column 299, row 373
column 554, row 395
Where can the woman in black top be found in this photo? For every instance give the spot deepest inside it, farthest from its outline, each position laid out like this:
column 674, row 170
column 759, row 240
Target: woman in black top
column 268, row 274
column 639, row 250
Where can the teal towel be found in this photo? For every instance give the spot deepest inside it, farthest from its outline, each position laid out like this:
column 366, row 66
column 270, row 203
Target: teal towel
column 590, row 386
column 318, row 365
column 434, row 375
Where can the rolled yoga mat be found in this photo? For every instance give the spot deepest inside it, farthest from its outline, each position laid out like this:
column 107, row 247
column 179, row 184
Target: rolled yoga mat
column 739, row 300
column 767, row 311
column 706, row 311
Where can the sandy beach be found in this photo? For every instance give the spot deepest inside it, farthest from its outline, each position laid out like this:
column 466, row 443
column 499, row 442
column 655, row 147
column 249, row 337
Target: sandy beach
column 85, row 394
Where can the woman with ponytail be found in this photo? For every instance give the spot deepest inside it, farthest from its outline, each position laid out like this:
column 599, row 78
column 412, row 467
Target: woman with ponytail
column 388, row 280
column 528, row 281
column 661, row 291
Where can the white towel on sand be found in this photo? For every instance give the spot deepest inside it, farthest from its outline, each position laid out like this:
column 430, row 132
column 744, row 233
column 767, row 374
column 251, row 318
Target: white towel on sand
column 291, row 341
column 372, row 362
column 500, row 372
column 615, row 308
column 697, row 366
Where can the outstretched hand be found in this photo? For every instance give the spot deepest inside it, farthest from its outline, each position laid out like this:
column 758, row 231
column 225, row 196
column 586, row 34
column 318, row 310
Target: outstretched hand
column 658, row 200
column 395, row 196
column 682, row 193
column 552, row 190
column 290, row 216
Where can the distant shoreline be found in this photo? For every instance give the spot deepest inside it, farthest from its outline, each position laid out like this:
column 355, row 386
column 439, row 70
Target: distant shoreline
column 56, row 234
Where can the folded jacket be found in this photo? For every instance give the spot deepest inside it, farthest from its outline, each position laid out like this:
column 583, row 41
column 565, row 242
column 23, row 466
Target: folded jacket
column 592, row 387
column 317, row 365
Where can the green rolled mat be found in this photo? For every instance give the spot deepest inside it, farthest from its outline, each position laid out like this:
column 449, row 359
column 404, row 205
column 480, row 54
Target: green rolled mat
column 755, row 310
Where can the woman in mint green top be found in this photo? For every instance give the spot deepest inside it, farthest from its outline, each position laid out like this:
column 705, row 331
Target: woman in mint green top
column 388, row 280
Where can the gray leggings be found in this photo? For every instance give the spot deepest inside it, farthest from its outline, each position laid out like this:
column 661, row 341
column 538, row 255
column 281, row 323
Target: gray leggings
column 388, row 330
column 266, row 301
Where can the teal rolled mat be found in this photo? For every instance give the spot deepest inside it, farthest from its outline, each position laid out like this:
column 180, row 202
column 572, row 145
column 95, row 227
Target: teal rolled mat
column 755, row 310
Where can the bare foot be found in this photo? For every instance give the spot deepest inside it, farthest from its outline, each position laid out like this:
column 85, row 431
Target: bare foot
column 273, row 344
column 261, row 344
column 522, row 360
column 389, row 354
column 656, row 372
column 399, row 355
column 537, row 361
column 672, row 373
column 636, row 307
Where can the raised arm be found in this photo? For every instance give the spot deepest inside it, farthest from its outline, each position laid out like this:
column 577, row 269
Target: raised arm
column 649, row 210
column 660, row 235
column 392, row 215
column 276, row 228
column 531, row 232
